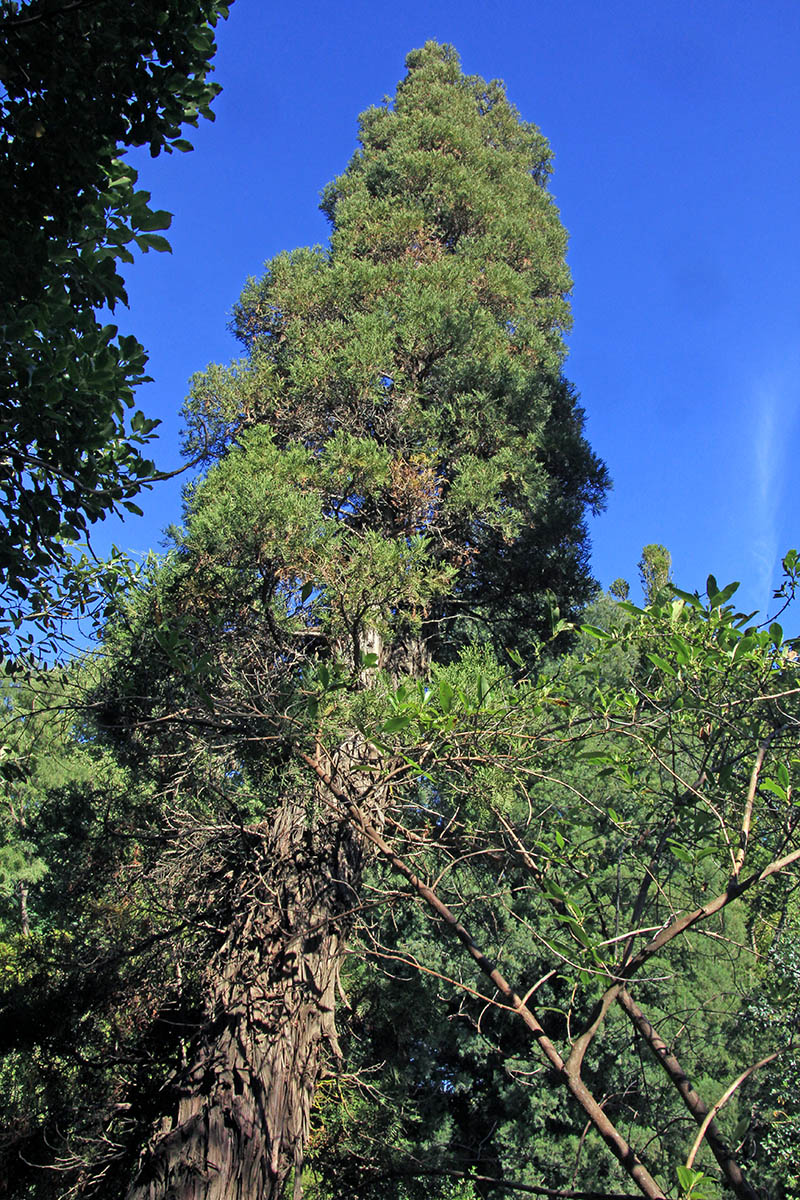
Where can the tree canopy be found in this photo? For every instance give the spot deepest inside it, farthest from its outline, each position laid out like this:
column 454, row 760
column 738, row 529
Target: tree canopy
column 427, row 341
column 418, row 867
column 81, row 83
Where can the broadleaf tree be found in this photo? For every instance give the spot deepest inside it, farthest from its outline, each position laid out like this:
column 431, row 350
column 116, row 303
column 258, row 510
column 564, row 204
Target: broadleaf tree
column 82, row 83
column 619, row 861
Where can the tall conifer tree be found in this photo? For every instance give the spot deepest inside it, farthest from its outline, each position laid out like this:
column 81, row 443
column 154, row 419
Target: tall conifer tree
column 432, row 328
column 396, row 464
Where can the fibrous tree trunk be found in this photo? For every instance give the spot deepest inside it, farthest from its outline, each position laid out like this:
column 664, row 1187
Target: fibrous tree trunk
column 241, row 1107
column 22, row 900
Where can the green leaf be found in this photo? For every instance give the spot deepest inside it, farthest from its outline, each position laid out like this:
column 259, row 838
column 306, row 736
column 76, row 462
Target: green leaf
column 743, row 646
column 577, row 929
column 742, row 1126
column 201, row 40
column 690, row 598
column 553, row 889
column 717, row 599
column 446, row 695
column 153, row 241
column 629, row 607
column 681, row 649
column 306, row 591
column 595, row 632
column 396, row 724
column 149, row 221
column 662, row 664
column 689, row 1179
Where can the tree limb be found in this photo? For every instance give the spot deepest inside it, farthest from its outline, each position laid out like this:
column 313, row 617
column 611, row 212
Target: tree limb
column 696, row 1106
column 619, row 1147
column 724, row 1098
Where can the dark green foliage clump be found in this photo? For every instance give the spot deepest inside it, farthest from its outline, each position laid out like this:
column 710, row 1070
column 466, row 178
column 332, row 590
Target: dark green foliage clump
column 81, row 83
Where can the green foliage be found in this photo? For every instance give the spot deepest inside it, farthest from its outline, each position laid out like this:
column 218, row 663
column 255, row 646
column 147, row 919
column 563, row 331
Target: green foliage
column 556, row 815
column 432, row 329
column 263, row 512
column 81, row 84
column 769, row 1126
column 80, row 1012
column 537, row 806
column 654, row 570
column 692, row 1183
column 396, row 463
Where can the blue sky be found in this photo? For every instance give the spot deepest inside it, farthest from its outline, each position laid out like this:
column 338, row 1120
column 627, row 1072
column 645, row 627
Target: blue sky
column 676, row 132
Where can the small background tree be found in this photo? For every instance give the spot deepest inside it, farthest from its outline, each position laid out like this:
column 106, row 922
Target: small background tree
column 654, row 570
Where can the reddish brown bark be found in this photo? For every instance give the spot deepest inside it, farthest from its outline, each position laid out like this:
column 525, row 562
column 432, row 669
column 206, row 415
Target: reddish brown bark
column 240, row 1111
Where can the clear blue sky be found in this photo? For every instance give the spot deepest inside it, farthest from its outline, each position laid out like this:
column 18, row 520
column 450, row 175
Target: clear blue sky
column 676, row 131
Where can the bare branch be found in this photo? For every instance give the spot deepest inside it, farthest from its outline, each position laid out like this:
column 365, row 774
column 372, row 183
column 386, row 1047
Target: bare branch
column 724, row 1098
column 748, row 807
column 732, row 892
column 699, row 1110
column 619, row 1147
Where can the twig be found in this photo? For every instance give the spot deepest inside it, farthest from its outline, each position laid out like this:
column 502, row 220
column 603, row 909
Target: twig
column 724, row 1098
